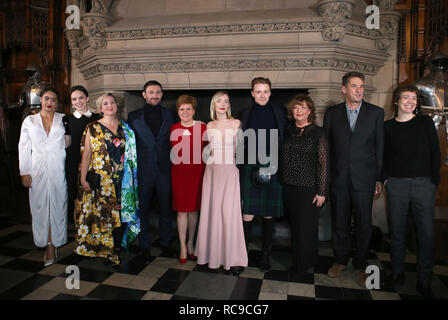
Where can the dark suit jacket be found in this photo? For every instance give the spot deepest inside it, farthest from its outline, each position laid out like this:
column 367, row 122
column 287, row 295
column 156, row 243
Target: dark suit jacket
column 153, row 154
column 280, row 118
column 355, row 158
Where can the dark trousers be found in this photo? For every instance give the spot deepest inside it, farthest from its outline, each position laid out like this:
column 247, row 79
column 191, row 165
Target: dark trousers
column 344, row 203
column 71, row 210
column 304, row 222
column 118, row 234
column 162, row 188
column 417, row 195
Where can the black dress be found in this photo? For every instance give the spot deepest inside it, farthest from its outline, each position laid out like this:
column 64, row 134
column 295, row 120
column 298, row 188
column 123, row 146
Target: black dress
column 75, row 128
column 304, row 172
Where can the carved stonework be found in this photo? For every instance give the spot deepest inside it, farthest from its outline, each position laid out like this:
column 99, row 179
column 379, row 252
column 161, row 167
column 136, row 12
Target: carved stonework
column 74, row 37
column 333, row 33
column 335, row 14
column 98, row 6
column 388, row 31
column 234, row 29
column 231, row 65
column 386, row 4
column 94, row 28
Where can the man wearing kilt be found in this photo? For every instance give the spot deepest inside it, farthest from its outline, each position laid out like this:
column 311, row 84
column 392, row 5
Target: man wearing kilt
column 260, row 187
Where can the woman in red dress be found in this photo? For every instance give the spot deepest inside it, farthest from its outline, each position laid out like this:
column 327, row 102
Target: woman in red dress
column 187, row 171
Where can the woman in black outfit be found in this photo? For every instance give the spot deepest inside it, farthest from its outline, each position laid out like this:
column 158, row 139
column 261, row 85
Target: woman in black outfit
column 304, row 170
column 411, row 170
column 75, row 124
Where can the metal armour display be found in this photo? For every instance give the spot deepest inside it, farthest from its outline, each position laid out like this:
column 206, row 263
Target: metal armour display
column 434, row 91
column 30, row 94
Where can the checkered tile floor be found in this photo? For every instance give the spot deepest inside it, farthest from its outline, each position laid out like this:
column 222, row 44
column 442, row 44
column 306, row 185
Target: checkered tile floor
column 22, row 276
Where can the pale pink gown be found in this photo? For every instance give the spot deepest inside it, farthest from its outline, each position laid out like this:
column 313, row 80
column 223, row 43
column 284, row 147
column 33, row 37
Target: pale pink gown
column 220, row 239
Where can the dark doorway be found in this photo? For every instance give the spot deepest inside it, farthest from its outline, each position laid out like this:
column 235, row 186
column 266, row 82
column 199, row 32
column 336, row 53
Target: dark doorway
column 240, row 99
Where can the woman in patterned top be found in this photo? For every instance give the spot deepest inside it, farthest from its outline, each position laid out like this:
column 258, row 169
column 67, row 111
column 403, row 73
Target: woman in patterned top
column 304, row 169
column 108, row 150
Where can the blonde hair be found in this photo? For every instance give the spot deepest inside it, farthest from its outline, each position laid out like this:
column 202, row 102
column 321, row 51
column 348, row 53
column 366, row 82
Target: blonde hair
column 215, row 97
column 100, row 99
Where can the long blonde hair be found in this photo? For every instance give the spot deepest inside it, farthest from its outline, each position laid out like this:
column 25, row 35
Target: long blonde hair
column 215, row 97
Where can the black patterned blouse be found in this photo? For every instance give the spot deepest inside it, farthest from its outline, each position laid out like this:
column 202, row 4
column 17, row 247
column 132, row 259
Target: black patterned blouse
column 304, row 158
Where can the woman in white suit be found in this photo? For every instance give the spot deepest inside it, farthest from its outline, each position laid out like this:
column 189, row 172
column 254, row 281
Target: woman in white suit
column 41, row 162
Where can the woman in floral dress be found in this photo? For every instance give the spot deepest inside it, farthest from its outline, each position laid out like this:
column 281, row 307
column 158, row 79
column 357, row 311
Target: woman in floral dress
column 109, row 215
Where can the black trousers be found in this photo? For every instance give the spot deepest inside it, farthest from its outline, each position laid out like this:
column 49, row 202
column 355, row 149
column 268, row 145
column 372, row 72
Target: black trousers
column 346, row 202
column 161, row 188
column 304, row 221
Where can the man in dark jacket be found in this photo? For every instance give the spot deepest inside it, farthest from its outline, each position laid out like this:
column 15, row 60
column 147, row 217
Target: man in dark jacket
column 151, row 125
column 263, row 199
column 355, row 134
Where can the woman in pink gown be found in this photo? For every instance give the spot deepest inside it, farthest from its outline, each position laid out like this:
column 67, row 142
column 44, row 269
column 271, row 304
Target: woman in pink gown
column 220, row 239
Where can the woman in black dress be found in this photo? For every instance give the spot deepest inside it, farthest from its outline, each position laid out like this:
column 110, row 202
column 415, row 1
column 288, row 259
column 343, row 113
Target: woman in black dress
column 75, row 124
column 304, row 170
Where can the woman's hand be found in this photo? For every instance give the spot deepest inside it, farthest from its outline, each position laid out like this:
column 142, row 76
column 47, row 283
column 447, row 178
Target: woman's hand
column 85, row 185
column 319, row 200
column 26, row 180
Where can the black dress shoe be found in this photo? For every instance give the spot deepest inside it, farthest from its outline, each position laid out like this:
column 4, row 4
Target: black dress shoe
column 236, row 270
column 296, row 277
column 398, row 279
column 425, row 290
column 146, row 254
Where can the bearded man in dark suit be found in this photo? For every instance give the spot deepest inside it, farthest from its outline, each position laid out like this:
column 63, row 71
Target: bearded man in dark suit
column 151, row 125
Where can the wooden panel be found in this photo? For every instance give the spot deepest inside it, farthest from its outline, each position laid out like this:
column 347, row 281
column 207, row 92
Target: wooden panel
column 442, row 190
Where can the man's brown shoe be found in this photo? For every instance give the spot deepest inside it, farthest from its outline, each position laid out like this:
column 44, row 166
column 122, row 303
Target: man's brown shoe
column 361, row 278
column 335, row 270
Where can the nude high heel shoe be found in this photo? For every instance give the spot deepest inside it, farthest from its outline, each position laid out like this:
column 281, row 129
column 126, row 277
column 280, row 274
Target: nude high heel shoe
column 51, row 261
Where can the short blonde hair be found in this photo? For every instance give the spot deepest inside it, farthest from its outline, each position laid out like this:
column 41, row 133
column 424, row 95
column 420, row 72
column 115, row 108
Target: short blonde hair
column 215, row 97
column 99, row 101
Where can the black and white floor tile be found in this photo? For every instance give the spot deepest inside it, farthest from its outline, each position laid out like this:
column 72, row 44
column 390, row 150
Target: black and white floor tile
column 23, row 276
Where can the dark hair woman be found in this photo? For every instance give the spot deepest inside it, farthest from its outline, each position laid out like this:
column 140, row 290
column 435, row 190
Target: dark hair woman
column 41, row 161
column 304, row 172
column 75, row 124
column 411, row 173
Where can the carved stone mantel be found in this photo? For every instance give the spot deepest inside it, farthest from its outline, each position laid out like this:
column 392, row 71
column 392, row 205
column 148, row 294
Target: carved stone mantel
column 302, row 47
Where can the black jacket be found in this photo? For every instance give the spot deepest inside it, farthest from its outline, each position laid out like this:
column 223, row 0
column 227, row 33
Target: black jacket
column 355, row 158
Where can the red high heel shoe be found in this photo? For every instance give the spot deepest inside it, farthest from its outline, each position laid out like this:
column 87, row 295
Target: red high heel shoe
column 191, row 256
column 184, row 260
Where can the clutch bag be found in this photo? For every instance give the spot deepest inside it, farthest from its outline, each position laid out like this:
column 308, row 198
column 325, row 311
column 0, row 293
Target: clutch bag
column 93, row 179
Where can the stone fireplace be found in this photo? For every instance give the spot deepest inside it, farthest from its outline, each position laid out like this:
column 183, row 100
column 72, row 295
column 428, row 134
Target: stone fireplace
column 302, row 45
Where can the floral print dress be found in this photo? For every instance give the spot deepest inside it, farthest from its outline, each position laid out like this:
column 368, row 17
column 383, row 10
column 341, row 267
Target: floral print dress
column 98, row 212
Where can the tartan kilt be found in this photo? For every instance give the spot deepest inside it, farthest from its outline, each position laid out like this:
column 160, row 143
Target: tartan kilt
column 265, row 200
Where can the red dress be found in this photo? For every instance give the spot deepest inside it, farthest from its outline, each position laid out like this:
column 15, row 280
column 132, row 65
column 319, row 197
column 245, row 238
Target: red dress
column 187, row 170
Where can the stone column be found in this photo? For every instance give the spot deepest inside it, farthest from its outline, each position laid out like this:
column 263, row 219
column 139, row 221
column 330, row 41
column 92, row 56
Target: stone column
column 324, row 98
column 94, row 29
column 74, row 37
